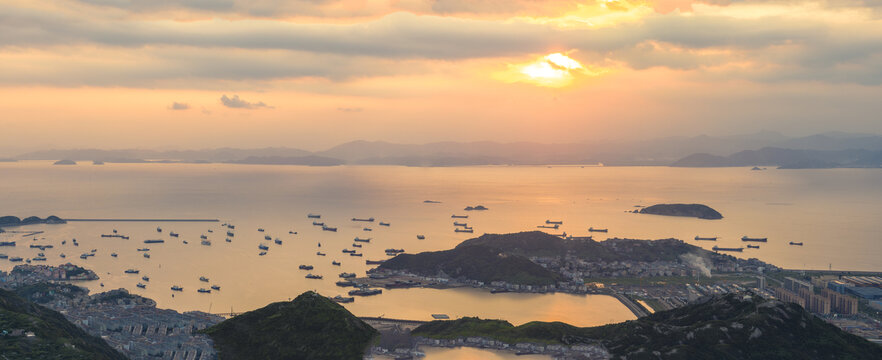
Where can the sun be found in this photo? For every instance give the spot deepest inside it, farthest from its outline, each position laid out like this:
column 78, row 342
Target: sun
column 554, row 70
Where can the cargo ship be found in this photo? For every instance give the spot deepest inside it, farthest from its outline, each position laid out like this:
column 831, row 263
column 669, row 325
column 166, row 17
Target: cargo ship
column 362, row 240
column 342, row 299
column 459, row 216
column 384, row 223
column 374, row 262
column 7, row 243
column 745, row 238
column 365, row 292
column 796, row 243
column 365, row 220
column 314, row 216
column 318, row 223
column 549, row 222
column 717, row 248
column 154, row 241
column 752, row 246
column 305, row 267
column 311, row 276
column 699, row 238
column 328, row 228
column 464, row 230
column 593, row 229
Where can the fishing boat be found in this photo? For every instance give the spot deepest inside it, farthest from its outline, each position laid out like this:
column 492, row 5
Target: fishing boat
column 745, row 238
column 263, row 247
column 147, row 255
column 260, row 229
column 752, row 246
column 421, row 237
column 131, row 271
column 145, row 278
column 203, row 279
column 717, row 248
column 177, row 288
column 159, row 229
column 206, row 242
column 305, row 267
column 173, row 234
column 346, row 275
column 356, row 245
column 311, row 276
column 319, row 253
column 203, row 290
column 278, row 241
column 335, row 263
column 355, row 254
column 203, row 237
column 262, row 253
column 215, row 287
column 384, row 224
column 140, row 285
column 267, row 237
column 367, row 229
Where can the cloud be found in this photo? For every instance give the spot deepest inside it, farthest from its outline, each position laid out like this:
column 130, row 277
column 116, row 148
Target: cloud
column 236, row 103
column 178, row 106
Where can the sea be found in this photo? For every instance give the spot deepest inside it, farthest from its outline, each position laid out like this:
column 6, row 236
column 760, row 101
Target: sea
column 833, row 212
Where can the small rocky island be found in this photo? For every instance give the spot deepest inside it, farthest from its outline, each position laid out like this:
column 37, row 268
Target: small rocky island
column 65, row 162
column 476, row 208
column 690, row 210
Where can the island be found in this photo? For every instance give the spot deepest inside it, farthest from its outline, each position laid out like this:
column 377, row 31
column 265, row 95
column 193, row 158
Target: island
column 16, row 221
column 65, row 162
column 689, row 210
column 309, row 327
column 310, row 160
column 476, row 208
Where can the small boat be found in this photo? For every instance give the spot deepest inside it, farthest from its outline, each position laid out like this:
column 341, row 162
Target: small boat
column 374, row 262
column 364, row 220
column 203, row 237
column 215, row 287
column 549, row 222
column 355, row 254
column 305, row 267
column 421, row 237
column 717, row 248
column 206, row 243
column 230, row 234
column 147, row 255
column 203, row 290
column 131, row 271
column 357, row 239
column 140, row 285
column 319, row 244
column 319, row 253
column 185, row 242
column 356, row 245
column 83, row 256
column 796, row 243
column 593, row 229
column 342, row 299
column 367, row 229
column 267, row 237
column 228, row 240
column 311, row 276
column 159, row 229
column 365, row 292
column 346, row 275
column 278, row 241
column 62, row 255
column 231, row 226
column 464, row 230
column 335, row 263
column 145, row 278
column 262, row 253
column 699, row 238
column 752, row 246
column 318, row 223
column 203, row 279
column 314, row 216
column 211, row 231
column 459, row 216
column 63, row 242
column 260, row 229
column 177, row 288
column 328, row 228
column 263, row 247
column 745, row 238
column 384, row 223
column 292, row 232
column 173, row 234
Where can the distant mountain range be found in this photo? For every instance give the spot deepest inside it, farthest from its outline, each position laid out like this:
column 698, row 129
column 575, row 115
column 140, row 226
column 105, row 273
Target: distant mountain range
column 821, row 150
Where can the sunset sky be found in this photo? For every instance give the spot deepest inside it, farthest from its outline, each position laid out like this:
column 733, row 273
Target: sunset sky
column 183, row 74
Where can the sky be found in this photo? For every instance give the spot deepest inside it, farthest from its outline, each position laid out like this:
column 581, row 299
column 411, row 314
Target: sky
column 311, row 74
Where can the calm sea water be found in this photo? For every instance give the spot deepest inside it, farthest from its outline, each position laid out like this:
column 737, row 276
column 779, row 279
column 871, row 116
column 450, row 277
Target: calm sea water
column 834, row 212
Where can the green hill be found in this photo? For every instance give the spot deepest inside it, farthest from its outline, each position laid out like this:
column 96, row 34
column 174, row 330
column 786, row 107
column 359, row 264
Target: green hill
column 688, row 210
column 479, row 263
column 725, row 327
column 309, row 327
column 54, row 336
